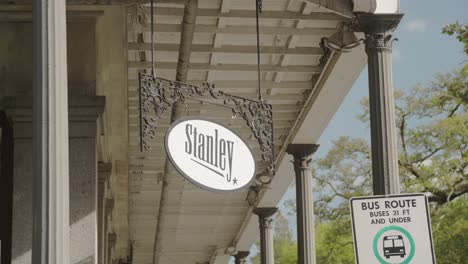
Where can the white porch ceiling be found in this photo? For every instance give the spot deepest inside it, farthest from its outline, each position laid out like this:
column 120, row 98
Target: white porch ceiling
column 195, row 224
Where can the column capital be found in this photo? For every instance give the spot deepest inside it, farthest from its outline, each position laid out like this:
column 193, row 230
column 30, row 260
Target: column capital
column 378, row 29
column 302, row 150
column 265, row 212
column 241, row 257
column 264, row 216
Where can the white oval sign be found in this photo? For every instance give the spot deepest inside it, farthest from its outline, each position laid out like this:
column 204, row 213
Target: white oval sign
column 209, row 155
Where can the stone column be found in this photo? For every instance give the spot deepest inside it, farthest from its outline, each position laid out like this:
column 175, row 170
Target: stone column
column 378, row 31
column 241, row 257
column 304, row 201
column 267, row 254
column 104, row 172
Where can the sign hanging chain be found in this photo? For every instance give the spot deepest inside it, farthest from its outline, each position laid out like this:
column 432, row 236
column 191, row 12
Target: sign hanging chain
column 152, row 39
column 258, row 10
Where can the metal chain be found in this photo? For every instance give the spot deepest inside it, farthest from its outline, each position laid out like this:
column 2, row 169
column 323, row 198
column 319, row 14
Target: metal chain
column 152, row 38
column 258, row 10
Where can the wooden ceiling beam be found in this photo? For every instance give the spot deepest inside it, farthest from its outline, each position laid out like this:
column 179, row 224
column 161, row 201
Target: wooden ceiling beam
column 341, row 7
column 227, row 67
column 244, row 84
column 245, row 30
column 228, row 13
column 229, row 49
column 217, row 43
column 292, row 43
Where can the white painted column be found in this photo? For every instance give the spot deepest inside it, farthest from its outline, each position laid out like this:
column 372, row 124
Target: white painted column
column 51, row 229
column 59, row 202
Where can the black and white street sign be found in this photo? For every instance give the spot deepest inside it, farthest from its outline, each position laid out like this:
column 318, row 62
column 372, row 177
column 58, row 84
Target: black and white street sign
column 209, row 155
column 392, row 229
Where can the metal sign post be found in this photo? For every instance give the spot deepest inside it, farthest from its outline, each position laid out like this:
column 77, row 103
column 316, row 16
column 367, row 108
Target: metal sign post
column 392, row 229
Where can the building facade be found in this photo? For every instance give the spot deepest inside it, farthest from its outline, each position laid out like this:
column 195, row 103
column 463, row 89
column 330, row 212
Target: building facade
column 107, row 200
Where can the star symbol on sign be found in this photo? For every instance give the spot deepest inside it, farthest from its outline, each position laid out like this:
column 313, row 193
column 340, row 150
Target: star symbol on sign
column 234, row 182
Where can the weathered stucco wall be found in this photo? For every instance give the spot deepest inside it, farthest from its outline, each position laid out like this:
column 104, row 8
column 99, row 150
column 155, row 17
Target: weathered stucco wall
column 111, row 36
column 16, row 58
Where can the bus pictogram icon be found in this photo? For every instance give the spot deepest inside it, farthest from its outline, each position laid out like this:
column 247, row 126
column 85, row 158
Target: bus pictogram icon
column 394, row 246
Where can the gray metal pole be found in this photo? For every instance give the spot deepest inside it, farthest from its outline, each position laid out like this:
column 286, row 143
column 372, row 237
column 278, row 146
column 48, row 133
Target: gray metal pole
column 304, row 201
column 40, row 134
column 241, row 257
column 378, row 30
column 267, row 253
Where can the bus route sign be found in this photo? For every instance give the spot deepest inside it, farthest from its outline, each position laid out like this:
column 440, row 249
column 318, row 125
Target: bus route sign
column 392, row 229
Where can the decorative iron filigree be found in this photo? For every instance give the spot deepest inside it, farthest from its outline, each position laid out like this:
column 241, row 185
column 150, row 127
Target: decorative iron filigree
column 326, row 53
column 259, row 5
column 158, row 95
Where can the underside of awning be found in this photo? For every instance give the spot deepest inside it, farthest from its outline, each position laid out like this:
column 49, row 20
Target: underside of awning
column 171, row 220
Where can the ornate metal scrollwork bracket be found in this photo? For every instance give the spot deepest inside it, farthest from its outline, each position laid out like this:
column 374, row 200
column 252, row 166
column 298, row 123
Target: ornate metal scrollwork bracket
column 259, row 5
column 158, row 95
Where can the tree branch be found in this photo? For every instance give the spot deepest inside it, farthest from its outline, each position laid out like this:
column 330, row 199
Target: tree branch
column 403, row 137
column 432, row 153
column 452, row 112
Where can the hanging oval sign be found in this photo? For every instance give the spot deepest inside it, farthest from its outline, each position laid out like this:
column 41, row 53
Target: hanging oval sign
column 209, row 155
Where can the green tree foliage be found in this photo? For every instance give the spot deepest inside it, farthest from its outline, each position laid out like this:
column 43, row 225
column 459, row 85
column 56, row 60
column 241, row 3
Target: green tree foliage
column 433, row 134
column 343, row 173
column 450, row 229
column 460, row 31
column 334, row 242
column 285, row 247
